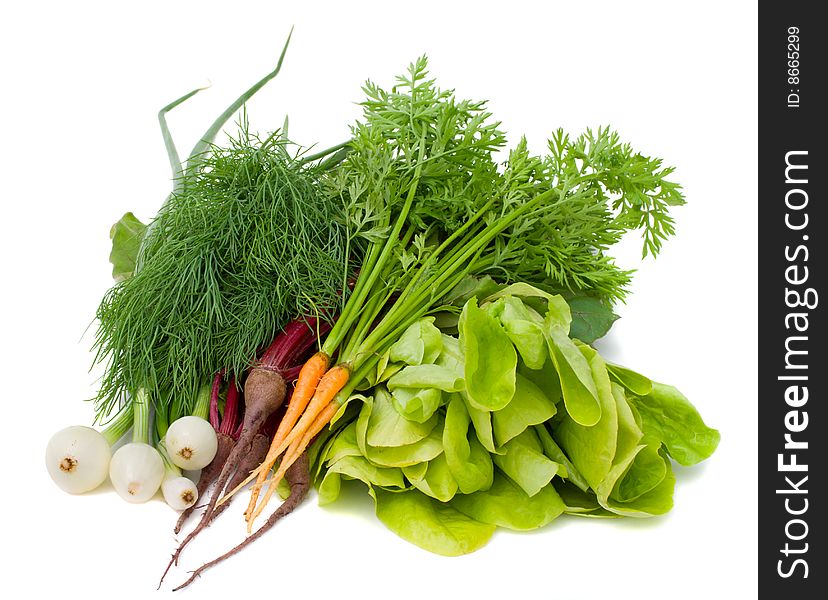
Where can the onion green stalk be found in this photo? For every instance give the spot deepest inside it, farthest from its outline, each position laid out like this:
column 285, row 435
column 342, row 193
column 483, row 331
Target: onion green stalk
column 119, row 425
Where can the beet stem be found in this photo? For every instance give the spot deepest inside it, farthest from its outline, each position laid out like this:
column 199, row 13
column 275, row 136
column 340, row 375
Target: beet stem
column 300, row 349
column 294, row 333
column 292, row 373
column 214, row 394
column 228, row 423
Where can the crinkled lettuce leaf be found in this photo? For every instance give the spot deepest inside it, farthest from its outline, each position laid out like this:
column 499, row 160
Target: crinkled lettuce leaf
column 529, row 406
column 592, row 448
column 578, row 387
column 420, row 344
column 417, row 404
column 524, row 327
column 387, row 427
column 490, row 359
column 525, row 463
column 469, row 462
column 505, row 504
column 435, row 480
column 667, row 415
column 636, row 383
column 432, row 525
column 422, row 450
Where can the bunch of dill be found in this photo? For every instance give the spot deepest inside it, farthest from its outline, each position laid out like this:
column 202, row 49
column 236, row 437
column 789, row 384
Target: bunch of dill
column 246, row 243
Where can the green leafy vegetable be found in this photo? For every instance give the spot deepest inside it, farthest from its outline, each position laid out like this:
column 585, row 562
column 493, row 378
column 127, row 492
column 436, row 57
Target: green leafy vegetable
column 591, row 318
column 387, row 427
column 467, row 459
column 420, row 344
column 634, row 382
column 417, row 404
column 491, row 360
column 524, row 328
column 432, row 525
column 245, row 245
column 669, row 416
column 521, row 464
column 507, row 505
column 433, row 376
column 438, row 233
column 436, row 481
column 422, row 450
column 592, row 447
column 529, row 406
column 576, row 374
column 525, row 463
column 126, row 235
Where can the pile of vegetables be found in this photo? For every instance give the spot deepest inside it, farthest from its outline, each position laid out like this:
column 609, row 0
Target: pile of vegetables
column 510, row 423
column 405, row 309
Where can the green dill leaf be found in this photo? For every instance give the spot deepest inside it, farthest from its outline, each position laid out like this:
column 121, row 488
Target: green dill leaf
column 247, row 243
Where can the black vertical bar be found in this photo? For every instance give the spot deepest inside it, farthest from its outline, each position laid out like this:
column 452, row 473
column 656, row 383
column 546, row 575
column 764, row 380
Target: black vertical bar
column 792, row 369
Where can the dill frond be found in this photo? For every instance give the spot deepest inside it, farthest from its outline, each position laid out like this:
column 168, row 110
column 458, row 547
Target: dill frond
column 246, row 243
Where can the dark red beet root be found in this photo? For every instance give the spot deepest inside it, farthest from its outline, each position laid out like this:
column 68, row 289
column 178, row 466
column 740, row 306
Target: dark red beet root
column 298, row 476
column 209, row 474
column 251, row 460
column 264, row 393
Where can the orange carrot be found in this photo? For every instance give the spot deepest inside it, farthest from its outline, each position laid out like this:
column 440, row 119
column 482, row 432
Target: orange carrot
column 312, row 371
column 330, row 384
column 297, row 448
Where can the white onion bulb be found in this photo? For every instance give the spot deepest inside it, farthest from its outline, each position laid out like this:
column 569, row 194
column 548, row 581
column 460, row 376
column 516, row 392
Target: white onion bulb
column 179, row 492
column 77, row 459
column 136, row 471
column 191, row 442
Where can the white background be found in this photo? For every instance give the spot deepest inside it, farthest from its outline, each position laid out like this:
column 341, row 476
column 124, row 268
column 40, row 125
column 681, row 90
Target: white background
column 81, row 85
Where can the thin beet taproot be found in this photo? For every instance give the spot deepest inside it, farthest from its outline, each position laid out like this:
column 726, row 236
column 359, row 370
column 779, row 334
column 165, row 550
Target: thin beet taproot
column 251, row 460
column 298, row 476
column 264, row 392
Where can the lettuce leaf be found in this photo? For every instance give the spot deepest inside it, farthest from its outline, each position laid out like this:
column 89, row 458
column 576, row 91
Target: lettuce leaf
column 505, row 504
column 667, row 415
column 126, row 235
column 430, row 524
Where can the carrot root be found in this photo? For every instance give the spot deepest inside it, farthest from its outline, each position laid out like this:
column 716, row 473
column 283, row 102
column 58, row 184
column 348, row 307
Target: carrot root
column 296, row 450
